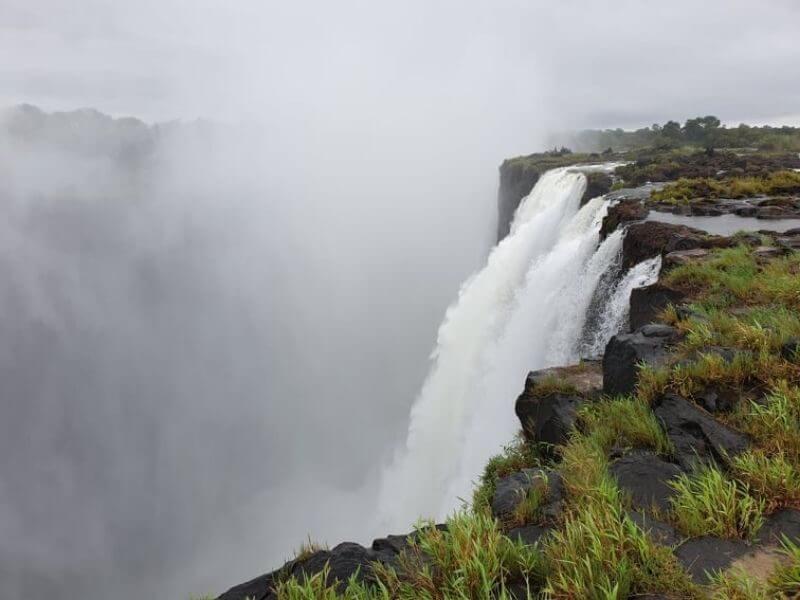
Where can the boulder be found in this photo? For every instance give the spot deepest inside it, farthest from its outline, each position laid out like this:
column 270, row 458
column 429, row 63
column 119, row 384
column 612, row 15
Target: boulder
column 512, row 490
column 661, row 532
column 624, row 352
column 785, row 522
column 684, row 257
column 546, row 407
column 696, row 435
column 260, row 588
column 789, row 243
column 645, row 477
column 626, row 211
column 529, row 534
column 547, row 419
column 598, row 183
column 653, row 238
column 767, row 251
column 700, row 556
column 647, row 302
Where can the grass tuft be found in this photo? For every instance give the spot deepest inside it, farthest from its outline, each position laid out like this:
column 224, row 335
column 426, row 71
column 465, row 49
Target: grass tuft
column 708, row 503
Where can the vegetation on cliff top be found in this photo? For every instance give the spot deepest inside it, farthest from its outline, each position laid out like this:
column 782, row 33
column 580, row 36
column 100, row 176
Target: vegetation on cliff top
column 778, row 183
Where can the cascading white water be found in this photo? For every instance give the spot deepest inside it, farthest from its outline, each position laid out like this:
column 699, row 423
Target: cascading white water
column 525, row 310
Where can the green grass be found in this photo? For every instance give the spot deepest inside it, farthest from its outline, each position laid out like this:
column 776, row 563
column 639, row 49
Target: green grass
column 470, row 559
column 774, row 478
column 624, row 421
column 774, row 184
column 551, row 384
column 774, row 422
column 738, row 585
column 785, row 581
column 708, row 503
column 599, row 552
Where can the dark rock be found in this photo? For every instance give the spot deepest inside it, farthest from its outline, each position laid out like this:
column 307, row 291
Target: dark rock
column 683, row 257
column 548, row 418
column 529, row 535
column 645, row 476
column 652, row 238
column 598, row 183
column 718, row 399
column 260, row 588
column 788, row 242
column 749, row 239
column 707, row 554
column 512, row 490
column 767, row 251
column 790, row 350
column 784, row 522
column 585, row 378
column 792, row 232
column 624, row 353
column 661, row 532
column 772, row 212
column 696, row 435
column 647, row 302
column 746, row 211
column 626, row 211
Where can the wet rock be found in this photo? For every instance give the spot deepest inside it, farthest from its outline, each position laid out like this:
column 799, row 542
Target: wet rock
column 696, row 435
column 529, row 535
column 547, row 413
column 788, row 242
column 626, row 211
column 785, row 522
column 790, row 350
column 792, row 232
column 652, row 238
column 647, row 302
column 683, row 257
column 512, row 490
column 585, row 378
column 661, row 532
column 624, row 353
column 718, row 399
column 767, row 251
column 598, row 183
column 260, row 588
column 773, row 212
column 644, row 476
column 703, row 555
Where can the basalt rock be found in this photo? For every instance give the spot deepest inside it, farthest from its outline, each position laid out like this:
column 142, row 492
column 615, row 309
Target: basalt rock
column 529, row 534
column 653, row 238
column 684, row 257
column 706, row 554
column 343, row 561
column 790, row 350
column 598, row 183
column 547, row 413
column 626, row 211
column 695, row 434
column 645, row 477
column 785, row 522
column 648, row 344
column 661, row 532
column 512, row 490
column 647, row 302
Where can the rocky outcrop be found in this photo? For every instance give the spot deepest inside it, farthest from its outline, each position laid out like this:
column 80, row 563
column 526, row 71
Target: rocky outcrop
column 625, row 352
column 546, row 408
column 647, row 302
column 598, row 183
column 653, row 238
column 512, row 490
column 516, row 182
column 624, row 212
column 704, row 555
column 695, row 434
column 645, row 477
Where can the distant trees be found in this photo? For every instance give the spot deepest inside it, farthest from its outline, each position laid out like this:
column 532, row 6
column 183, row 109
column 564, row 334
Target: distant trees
column 704, row 131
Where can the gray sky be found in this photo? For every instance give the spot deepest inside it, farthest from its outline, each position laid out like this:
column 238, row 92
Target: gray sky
column 209, row 358
column 505, row 69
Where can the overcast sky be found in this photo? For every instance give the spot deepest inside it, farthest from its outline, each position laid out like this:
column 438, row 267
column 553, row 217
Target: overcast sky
column 504, row 69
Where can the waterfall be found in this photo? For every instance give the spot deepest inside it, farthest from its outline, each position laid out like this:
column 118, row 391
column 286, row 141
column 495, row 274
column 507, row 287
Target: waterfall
column 526, row 309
